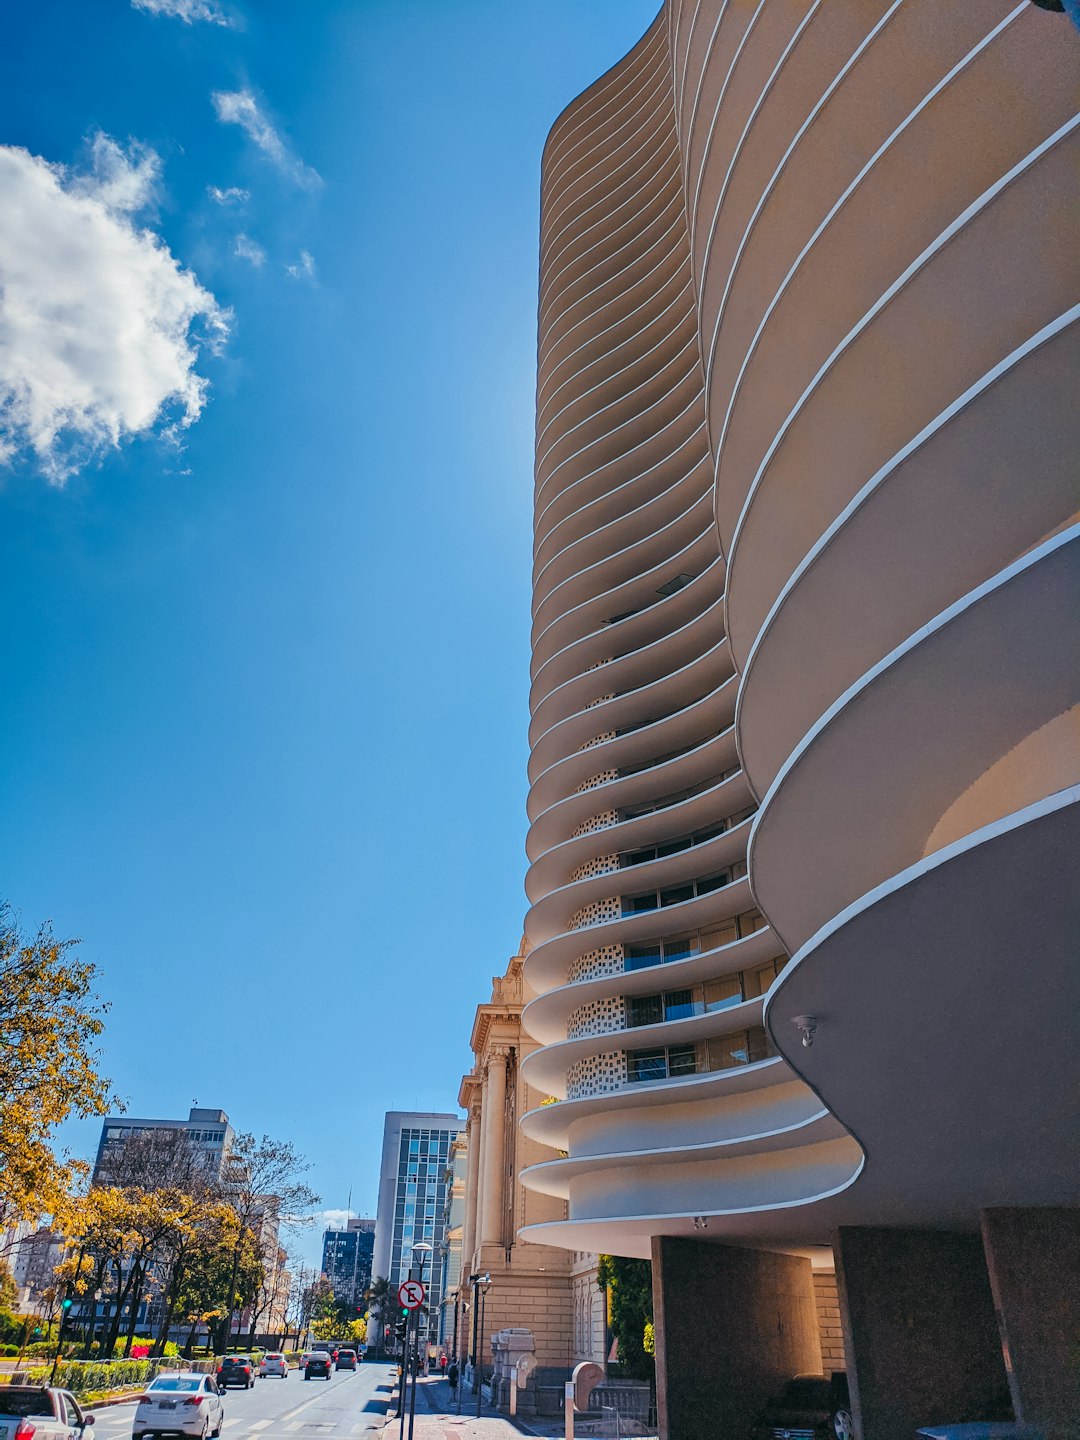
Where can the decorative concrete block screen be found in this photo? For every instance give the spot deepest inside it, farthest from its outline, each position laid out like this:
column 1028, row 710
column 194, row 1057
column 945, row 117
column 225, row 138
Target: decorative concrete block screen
column 597, row 1018
column 596, row 1075
column 607, row 960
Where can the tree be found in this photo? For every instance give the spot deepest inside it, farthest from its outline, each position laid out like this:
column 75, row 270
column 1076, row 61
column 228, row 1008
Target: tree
column 262, row 1180
column 49, row 1020
column 629, row 1287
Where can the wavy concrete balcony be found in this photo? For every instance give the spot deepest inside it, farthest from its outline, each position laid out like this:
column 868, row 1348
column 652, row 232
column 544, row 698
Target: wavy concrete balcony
column 875, row 253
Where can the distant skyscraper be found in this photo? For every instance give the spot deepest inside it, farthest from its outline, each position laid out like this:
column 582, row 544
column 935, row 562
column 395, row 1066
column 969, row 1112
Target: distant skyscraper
column 412, row 1198
column 346, row 1259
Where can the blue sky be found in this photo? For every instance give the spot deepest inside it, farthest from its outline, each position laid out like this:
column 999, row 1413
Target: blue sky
column 265, row 644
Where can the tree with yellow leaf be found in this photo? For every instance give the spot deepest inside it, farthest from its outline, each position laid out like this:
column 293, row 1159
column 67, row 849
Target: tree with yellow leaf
column 50, row 1018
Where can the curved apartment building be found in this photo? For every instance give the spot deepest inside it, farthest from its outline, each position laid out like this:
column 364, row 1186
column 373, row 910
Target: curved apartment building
column 805, row 738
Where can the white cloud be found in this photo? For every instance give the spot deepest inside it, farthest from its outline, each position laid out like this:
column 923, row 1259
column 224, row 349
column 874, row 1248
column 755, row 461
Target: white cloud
column 100, row 327
column 231, row 195
column 248, row 249
column 304, row 269
column 332, row 1219
column 239, row 107
column 186, row 10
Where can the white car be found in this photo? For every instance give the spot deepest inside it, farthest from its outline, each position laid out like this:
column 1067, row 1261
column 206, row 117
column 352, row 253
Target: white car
column 179, row 1404
column 273, row 1363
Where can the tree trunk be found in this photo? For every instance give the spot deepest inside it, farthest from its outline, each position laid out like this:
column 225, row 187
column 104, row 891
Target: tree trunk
column 122, row 1290
column 137, row 1270
column 189, row 1344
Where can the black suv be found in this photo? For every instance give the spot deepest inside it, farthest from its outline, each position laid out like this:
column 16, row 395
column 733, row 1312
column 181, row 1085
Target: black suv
column 346, row 1360
column 317, row 1362
column 236, row 1370
column 810, row 1407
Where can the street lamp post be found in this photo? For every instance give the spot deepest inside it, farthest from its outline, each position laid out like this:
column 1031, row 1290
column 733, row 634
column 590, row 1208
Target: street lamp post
column 421, row 1249
column 481, row 1284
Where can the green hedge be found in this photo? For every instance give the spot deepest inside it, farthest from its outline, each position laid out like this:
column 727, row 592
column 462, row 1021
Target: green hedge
column 84, row 1377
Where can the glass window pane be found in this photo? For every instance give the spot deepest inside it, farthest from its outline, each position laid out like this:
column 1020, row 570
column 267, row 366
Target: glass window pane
column 728, row 1051
column 635, row 957
column 678, row 1004
column 645, row 1010
column 682, row 1060
column 681, row 948
column 646, row 1065
column 676, row 894
column 713, row 882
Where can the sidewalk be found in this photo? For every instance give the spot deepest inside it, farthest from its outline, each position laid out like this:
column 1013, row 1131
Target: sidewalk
column 442, row 1421
column 437, row 1418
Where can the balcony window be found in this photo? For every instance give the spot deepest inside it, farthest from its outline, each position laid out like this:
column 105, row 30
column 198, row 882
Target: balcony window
column 637, row 957
column 644, row 1010
column 678, row 1004
column 644, row 1065
column 676, row 894
column 682, row 1060
column 680, row 948
column 745, row 1047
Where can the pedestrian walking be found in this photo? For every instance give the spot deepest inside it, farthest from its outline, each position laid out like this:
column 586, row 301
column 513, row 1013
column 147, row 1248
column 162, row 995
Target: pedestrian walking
column 452, row 1376
column 442, row 1363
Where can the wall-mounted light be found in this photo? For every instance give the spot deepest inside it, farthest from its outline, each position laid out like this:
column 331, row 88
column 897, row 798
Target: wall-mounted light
column 807, row 1027
column 701, row 1222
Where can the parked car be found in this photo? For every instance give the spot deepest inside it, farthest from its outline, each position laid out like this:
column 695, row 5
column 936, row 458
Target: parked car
column 236, row 1370
column 810, row 1407
column 41, row 1412
column 179, row 1404
column 273, row 1363
column 346, row 1360
column 317, row 1362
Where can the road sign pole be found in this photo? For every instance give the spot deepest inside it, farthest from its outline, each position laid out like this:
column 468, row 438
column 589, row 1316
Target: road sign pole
column 416, row 1369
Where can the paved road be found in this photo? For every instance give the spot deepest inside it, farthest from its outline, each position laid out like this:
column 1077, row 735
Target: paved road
column 351, row 1403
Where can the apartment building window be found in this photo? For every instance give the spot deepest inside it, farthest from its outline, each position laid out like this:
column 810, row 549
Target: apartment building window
column 671, row 847
column 678, row 894
column 726, row 1052
column 671, row 1005
column 662, row 1063
column 681, row 947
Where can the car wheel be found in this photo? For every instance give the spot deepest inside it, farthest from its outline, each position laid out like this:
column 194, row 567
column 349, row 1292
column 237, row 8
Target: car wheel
column 843, row 1425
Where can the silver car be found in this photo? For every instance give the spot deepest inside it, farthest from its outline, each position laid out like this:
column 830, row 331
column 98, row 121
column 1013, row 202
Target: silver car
column 43, row 1412
column 274, row 1363
column 179, row 1404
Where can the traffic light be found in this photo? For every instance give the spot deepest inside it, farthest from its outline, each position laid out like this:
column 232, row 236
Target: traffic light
column 402, row 1328
column 359, row 1309
column 65, row 1304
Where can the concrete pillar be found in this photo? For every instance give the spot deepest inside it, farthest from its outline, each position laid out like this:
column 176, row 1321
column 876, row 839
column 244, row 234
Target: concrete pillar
column 472, row 1177
column 1033, row 1256
column 491, row 1232
column 731, row 1325
column 919, row 1331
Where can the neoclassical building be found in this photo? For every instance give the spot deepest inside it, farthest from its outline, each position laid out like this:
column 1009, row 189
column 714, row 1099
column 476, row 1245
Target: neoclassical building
column 805, row 747
column 542, row 1288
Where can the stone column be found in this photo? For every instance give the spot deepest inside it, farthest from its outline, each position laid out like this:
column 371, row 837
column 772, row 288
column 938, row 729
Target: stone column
column 472, row 1177
column 919, row 1330
column 491, row 1231
column 1033, row 1257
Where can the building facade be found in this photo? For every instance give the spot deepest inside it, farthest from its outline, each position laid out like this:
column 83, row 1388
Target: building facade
column 412, row 1204
column 208, row 1132
column 804, row 738
column 534, row 1287
column 453, row 1241
column 346, row 1260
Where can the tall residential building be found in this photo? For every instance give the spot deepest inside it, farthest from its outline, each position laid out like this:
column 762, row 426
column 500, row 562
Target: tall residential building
column 346, row 1260
column 453, row 1241
column 207, row 1130
column 805, row 750
column 412, row 1202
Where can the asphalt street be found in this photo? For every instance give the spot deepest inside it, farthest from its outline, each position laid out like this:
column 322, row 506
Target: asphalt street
column 351, row 1403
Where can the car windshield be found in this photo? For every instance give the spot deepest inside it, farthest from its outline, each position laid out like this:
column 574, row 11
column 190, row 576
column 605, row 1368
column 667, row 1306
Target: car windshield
column 235, row 1360
column 181, row 1383
column 807, row 1394
column 21, row 1402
